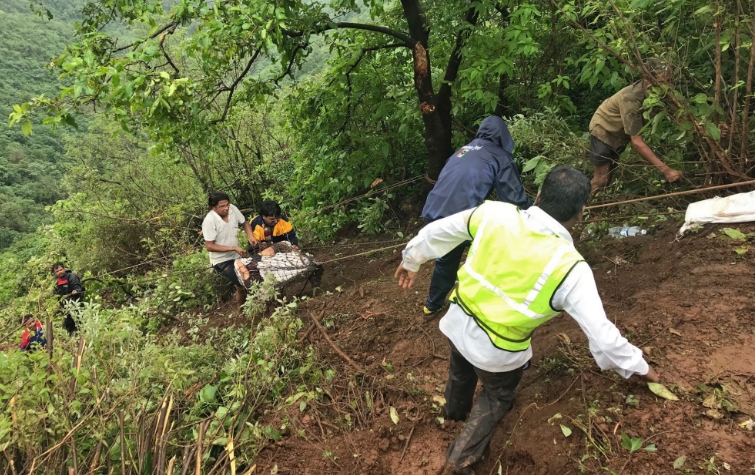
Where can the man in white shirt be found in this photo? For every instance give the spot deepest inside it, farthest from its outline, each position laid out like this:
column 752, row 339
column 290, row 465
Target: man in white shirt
column 522, row 270
column 220, row 229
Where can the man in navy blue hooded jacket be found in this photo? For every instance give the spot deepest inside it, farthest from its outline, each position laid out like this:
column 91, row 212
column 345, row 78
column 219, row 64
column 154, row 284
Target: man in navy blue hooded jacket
column 468, row 177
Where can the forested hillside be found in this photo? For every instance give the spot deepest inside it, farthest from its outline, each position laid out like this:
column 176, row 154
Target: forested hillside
column 345, row 113
column 31, row 167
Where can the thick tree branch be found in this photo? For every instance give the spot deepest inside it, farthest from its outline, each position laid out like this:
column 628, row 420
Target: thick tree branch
column 287, row 71
column 452, row 70
column 407, row 39
column 233, row 86
column 165, row 53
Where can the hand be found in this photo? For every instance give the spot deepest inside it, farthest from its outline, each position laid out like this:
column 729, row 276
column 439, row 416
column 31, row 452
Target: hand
column 724, row 128
column 74, row 292
column 672, row 175
column 295, row 247
column 241, row 252
column 252, row 241
column 652, row 375
column 405, row 277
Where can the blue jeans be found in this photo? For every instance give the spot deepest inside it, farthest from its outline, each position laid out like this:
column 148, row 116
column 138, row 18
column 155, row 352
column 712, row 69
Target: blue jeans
column 444, row 277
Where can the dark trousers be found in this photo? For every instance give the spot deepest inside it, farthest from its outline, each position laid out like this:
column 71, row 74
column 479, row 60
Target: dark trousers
column 69, row 324
column 444, row 277
column 495, row 400
column 227, row 270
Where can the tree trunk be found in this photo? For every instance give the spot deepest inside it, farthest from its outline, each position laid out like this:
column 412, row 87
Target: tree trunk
column 437, row 138
column 435, row 109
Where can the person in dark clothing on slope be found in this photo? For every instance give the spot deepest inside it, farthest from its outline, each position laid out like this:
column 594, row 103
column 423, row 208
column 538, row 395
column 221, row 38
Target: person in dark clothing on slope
column 469, row 176
column 69, row 289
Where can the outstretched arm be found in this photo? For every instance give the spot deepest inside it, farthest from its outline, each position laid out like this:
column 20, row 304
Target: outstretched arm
column 649, row 156
column 434, row 240
column 578, row 296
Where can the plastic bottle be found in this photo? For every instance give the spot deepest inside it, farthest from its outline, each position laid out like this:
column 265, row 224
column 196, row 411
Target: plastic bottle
column 622, row 232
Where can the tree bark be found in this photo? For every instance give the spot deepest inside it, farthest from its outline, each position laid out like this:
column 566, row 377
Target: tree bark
column 435, row 109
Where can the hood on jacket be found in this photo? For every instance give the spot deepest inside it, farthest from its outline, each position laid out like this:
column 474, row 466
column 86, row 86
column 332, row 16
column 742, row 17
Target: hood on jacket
column 494, row 128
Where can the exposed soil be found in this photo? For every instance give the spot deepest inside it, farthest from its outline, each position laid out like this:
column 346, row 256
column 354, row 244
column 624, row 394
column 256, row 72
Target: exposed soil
column 689, row 304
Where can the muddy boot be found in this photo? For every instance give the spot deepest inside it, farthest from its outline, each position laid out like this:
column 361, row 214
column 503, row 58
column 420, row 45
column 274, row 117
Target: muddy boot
column 449, row 469
column 240, row 296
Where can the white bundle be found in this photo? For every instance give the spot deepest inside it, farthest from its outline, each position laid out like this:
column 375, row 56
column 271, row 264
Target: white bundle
column 739, row 208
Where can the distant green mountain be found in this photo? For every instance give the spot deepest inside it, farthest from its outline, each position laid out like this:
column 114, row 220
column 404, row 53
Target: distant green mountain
column 30, row 167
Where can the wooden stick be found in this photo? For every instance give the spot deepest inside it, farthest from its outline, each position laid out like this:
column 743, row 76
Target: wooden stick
column 202, row 429
column 49, row 337
column 311, row 327
column 170, row 465
column 186, row 459
column 748, row 93
column 334, row 346
column 75, row 469
column 406, row 445
column 123, row 444
column 717, row 82
column 733, row 120
column 668, row 195
column 96, row 459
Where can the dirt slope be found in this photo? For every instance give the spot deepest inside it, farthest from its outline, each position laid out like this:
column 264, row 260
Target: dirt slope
column 688, row 303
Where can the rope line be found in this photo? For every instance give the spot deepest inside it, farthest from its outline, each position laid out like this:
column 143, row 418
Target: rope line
column 369, row 193
column 668, row 195
column 363, row 253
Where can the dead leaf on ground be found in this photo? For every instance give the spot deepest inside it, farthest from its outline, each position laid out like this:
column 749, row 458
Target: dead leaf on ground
column 675, row 331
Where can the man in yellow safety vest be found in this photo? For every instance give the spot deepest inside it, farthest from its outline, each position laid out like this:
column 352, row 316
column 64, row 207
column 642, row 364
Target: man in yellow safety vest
column 521, row 271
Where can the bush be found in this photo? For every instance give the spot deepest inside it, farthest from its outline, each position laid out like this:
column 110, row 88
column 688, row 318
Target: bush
column 544, row 141
column 159, row 394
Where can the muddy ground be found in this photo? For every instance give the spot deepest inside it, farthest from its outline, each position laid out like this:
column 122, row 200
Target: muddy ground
column 689, row 304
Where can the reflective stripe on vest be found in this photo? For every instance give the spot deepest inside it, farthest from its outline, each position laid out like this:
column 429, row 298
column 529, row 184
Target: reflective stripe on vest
column 511, row 274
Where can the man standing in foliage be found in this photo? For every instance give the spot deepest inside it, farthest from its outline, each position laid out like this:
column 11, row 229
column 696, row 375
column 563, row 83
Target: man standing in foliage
column 68, row 288
column 618, row 122
column 522, row 270
column 220, row 229
column 469, row 176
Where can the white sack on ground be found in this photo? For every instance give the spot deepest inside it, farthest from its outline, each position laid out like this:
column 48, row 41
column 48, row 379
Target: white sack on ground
column 739, row 208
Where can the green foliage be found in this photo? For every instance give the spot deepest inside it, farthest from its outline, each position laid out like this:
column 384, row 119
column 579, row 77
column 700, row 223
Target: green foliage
column 128, row 375
column 371, row 220
column 188, row 284
column 543, row 141
column 31, row 166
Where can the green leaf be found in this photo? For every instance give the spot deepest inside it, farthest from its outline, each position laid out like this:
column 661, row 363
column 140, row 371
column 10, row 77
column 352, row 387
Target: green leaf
column 207, row 394
column 735, row 234
column 26, row 127
column 712, row 131
column 651, row 448
column 679, row 462
column 531, row 164
column 660, row 390
column 632, row 444
column 702, row 10
column 566, row 430
column 741, row 250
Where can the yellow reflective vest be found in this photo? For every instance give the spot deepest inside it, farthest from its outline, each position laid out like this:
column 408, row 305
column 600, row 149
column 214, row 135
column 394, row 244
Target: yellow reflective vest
column 510, row 275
